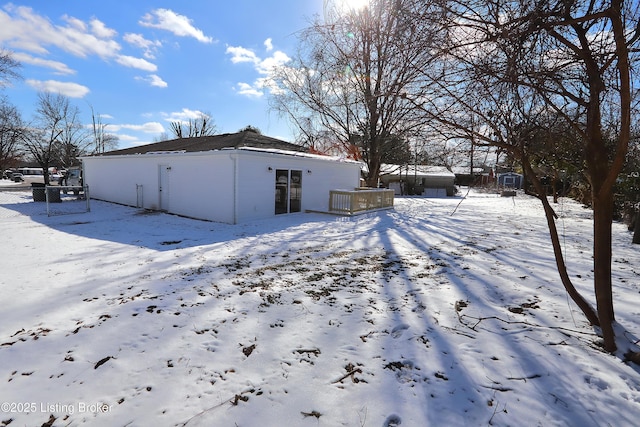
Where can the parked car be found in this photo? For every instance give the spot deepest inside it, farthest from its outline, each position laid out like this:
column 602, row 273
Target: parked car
column 17, row 177
column 31, row 175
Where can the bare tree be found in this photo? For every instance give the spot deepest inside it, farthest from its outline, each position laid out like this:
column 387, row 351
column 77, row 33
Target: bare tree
column 8, row 68
column 56, row 133
column 176, row 129
column 351, row 75
column 11, row 133
column 103, row 141
column 11, row 125
column 163, row 136
column 511, row 63
column 202, row 125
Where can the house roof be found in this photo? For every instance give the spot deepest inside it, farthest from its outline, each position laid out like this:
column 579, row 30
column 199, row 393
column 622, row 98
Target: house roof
column 209, row 143
column 464, row 170
column 415, row 170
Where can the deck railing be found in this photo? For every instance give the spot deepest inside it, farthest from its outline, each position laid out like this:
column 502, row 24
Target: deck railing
column 354, row 201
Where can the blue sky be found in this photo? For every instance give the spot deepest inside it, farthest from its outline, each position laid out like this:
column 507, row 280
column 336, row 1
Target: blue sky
column 142, row 64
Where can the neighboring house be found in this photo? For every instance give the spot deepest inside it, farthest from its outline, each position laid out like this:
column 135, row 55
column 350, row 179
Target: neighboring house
column 423, row 180
column 481, row 176
column 227, row 178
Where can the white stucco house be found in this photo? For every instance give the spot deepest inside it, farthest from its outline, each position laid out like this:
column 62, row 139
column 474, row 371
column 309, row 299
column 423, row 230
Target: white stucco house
column 229, row 178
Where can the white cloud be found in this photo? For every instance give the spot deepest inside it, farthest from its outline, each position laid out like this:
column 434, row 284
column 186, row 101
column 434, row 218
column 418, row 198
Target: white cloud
column 127, row 138
column 270, row 84
column 72, row 90
column 149, row 46
column 183, row 116
column 179, row 25
column 157, row 81
column 268, row 43
column 252, row 91
column 153, row 80
column 241, row 54
column 75, row 23
column 267, row 65
column 58, row 67
column 264, row 67
column 127, row 141
column 74, row 36
column 100, row 30
column 149, row 127
column 133, row 62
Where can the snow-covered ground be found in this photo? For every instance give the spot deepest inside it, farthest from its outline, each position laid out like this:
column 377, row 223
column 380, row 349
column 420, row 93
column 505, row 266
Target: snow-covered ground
column 442, row 312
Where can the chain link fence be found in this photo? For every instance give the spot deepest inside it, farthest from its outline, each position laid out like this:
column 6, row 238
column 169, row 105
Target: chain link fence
column 16, row 201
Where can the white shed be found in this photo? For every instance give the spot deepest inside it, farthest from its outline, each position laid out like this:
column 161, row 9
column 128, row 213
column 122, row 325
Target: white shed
column 229, row 178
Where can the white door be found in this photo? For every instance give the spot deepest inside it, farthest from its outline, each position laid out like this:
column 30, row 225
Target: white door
column 163, row 187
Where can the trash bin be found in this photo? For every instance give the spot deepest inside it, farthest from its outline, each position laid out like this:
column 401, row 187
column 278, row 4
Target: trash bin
column 54, row 194
column 37, row 190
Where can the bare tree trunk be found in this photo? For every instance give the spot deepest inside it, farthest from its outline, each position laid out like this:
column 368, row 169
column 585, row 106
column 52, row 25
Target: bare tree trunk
column 374, row 164
column 583, row 304
column 636, row 229
column 374, row 173
column 602, row 220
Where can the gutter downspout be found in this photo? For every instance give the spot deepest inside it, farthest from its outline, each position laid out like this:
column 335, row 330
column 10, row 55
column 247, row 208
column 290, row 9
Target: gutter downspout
column 234, row 157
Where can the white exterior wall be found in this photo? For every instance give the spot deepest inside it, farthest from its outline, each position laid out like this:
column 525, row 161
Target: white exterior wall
column 199, row 184
column 116, row 181
column 256, row 184
column 226, row 186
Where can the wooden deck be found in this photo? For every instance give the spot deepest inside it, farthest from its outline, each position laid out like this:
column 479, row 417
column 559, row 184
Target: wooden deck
column 353, row 202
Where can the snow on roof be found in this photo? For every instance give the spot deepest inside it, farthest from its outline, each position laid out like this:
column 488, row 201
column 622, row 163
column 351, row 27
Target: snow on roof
column 415, row 170
column 296, row 154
